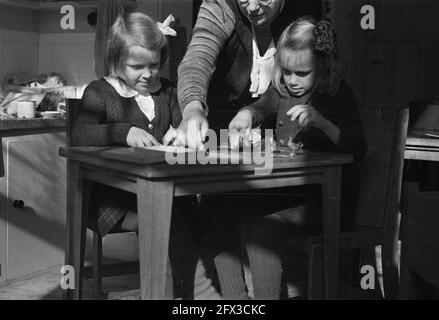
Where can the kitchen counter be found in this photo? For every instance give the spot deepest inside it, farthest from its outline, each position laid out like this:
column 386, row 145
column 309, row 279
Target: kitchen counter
column 14, row 127
column 33, row 193
column 22, row 127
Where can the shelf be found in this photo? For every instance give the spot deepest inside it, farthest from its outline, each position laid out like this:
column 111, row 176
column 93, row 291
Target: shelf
column 56, row 5
column 21, row 4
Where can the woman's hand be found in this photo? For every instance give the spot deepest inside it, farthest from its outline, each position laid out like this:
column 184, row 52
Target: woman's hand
column 193, row 128
column 308, row 116
column 137, row 137
column 239, row 128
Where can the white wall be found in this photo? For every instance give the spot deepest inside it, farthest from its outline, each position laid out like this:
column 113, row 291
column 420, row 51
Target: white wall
column 70, row 54
column 18, row 41
column 33, row 42
column 18, row 52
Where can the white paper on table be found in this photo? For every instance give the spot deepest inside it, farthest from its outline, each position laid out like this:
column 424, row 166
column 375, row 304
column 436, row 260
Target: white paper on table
column 171, row 149
column 432, row 135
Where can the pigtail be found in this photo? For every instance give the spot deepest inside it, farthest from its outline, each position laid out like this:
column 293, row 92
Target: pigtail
column 325, row 42
column 328, row 63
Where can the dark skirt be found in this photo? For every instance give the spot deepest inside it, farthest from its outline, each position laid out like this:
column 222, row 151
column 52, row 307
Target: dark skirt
column 108, row 207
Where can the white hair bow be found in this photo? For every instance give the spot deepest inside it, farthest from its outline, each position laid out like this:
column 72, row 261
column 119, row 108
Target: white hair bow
column 165, row 28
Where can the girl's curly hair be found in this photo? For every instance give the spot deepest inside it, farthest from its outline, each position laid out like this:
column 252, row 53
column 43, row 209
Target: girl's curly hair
column 324, row 38
column 320, row 37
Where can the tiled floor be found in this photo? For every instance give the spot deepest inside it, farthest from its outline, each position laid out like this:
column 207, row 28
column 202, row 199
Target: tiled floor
column 47, row 287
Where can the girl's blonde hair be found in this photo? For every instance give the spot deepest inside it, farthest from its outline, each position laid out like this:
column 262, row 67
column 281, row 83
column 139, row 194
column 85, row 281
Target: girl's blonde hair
column 306, row 33
column 135, row 29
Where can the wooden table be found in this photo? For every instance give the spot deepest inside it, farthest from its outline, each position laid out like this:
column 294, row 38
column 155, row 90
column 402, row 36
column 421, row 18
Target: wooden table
column 157, row 184
column 417, row 148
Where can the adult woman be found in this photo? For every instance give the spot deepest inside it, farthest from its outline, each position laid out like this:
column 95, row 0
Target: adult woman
column 229, row 60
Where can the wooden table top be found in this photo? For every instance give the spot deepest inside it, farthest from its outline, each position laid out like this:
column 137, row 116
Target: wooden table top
column 422, row 148
column 422, row 141
column 99, row 156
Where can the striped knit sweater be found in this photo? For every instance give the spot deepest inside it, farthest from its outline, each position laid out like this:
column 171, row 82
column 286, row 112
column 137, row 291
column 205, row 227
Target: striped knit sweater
column 220, row 28
column 215, row 24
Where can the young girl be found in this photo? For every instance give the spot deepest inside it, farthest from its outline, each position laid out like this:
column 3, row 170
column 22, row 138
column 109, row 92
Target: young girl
column 309, row 96
column 132, row 106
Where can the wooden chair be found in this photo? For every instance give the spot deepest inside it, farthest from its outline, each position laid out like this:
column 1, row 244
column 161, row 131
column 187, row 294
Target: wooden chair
column 98, row 270
column 420, row 242
column 419, row 225
column 377, row 216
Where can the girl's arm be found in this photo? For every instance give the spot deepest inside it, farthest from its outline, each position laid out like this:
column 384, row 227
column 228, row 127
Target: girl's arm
column 332, row 131
column 344, row 134
column 90, row 129
column 215, row 23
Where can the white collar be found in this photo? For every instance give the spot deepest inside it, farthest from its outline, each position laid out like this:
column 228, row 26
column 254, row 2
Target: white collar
column 145, row 102
column 121, row 88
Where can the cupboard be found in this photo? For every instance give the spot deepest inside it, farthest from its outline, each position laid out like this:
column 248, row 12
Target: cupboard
column 32, row 205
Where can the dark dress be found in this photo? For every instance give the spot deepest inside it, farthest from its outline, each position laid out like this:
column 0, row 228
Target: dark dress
column 341, row 109
column 104, row 119
column 273, row 215
column 270, row 112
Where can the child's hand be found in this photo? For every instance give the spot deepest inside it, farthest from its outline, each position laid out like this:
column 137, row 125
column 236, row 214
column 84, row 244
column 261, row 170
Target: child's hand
column 140, row 138
column 239, row 128
column 307, row 116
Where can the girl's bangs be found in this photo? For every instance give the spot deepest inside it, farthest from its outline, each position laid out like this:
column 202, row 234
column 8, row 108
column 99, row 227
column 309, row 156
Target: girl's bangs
column 300, row 59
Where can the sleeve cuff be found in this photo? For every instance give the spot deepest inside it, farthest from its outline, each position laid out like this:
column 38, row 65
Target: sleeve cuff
column 119, row 132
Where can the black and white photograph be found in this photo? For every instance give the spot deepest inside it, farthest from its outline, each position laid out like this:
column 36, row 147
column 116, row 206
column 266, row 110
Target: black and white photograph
column 219, row 154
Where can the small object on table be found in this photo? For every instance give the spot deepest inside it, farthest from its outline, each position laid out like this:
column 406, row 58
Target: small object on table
column 294, row 146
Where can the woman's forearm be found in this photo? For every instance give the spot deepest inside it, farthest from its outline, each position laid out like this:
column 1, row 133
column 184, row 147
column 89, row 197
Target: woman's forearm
column 214, row 25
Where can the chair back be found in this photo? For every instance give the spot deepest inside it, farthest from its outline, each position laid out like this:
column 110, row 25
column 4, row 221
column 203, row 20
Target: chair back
column 72, row 109
column 385, row 130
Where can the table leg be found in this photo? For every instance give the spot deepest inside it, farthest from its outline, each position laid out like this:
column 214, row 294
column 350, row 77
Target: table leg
column 331, row 224
column 408, row 189
column 76, row 210
column 154, row 205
